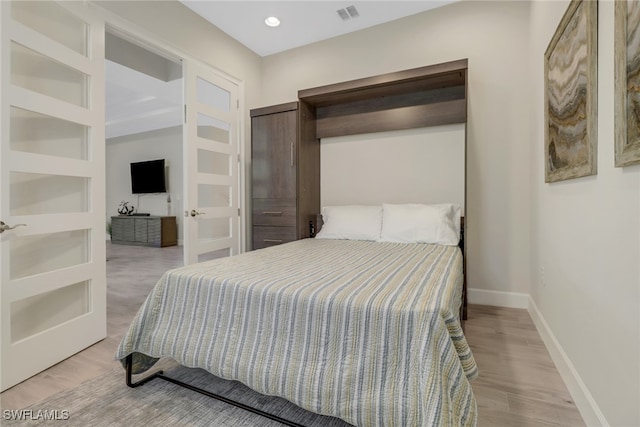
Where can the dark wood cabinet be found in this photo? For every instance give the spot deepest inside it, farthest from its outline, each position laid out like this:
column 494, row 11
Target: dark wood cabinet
column 273, row 139
column 285, row 156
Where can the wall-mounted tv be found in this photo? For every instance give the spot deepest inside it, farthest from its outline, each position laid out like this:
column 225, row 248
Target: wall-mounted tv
column 148, row 177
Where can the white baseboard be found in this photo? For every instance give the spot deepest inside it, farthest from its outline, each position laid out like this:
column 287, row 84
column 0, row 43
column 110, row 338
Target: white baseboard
column 497, row 298
column 583, row 399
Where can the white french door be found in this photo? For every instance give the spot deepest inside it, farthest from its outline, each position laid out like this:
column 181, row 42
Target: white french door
column 211, row 169
column 52, row 167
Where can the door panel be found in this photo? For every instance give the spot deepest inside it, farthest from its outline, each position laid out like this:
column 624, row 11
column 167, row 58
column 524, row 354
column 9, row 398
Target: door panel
column 37, row 194
column 36, row 314
column 54, row 22
column 31, row 254
column 33, row 132
column 212, row 223
column 33, row 71
column 52, row 270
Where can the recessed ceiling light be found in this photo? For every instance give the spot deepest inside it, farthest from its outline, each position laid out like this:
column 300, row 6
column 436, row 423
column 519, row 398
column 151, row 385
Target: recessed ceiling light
column 272, row 21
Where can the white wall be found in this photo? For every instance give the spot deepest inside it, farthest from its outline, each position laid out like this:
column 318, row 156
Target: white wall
column 586, row 236
column 160, row 144
column 424, row 165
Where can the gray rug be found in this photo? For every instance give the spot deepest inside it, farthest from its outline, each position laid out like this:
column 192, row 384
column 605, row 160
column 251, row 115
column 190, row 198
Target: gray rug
column 107, row 401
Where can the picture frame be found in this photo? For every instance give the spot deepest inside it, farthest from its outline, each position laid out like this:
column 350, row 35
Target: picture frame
column 627, row 83
column 570, row 70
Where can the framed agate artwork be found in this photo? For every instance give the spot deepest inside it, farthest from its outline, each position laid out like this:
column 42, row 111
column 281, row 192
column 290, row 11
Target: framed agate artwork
column 571, row 62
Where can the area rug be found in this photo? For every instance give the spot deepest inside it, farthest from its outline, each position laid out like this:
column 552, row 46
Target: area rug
column 107, row 401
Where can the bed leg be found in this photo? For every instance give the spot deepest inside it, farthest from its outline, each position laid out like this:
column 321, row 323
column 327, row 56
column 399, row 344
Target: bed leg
column 129, row 369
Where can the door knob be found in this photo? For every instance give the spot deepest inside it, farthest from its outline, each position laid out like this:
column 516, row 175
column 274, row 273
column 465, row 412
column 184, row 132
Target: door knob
column 4, row 227
column 196, row 213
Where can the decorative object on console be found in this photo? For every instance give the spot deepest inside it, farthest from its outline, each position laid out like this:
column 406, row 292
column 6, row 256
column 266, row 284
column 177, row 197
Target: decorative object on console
column 125, row 209
column 571, row 95
column 627, row 83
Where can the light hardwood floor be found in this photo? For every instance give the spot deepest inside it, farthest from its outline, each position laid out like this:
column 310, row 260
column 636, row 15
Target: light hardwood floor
column 518, row 384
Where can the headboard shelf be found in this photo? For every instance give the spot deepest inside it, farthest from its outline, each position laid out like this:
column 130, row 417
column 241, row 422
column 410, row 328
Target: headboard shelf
column 396, row 119
column 429, row 77
column 420, row 97
column 408, row 117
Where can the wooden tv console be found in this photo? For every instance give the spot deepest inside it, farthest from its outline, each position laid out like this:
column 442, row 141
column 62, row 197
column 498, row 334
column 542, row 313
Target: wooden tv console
column 156, row 231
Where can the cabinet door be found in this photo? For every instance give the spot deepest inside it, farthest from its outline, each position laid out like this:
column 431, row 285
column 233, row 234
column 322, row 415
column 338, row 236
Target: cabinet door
column 273, row 139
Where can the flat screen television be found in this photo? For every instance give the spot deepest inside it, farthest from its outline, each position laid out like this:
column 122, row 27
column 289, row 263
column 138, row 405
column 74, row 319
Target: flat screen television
column 148, row 177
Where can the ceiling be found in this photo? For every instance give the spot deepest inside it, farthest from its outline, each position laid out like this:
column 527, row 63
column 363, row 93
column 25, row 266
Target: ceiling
column 302, row 22
column 137, row 102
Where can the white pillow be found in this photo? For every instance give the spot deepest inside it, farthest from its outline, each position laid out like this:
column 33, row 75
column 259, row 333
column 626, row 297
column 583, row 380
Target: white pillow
column 416, row 223
column 352, row 222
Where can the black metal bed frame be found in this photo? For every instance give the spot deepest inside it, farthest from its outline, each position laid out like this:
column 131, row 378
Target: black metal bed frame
column 160, row 374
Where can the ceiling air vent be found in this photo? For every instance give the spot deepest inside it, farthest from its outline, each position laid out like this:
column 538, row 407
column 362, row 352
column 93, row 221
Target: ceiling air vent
column 348, row 13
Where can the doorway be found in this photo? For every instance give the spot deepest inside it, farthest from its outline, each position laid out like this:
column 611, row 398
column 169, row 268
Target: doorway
column 143, row 123
column 187, row 114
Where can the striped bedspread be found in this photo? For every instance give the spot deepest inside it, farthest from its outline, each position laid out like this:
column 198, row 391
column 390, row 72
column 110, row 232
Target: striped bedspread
column 364, row 331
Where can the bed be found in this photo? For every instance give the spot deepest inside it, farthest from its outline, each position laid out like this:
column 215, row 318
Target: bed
column 366, row 330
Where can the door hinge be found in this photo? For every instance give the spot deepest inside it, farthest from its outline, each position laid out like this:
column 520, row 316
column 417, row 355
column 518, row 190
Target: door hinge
column 185, row 113
column 238, row 211
column 237, row 104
